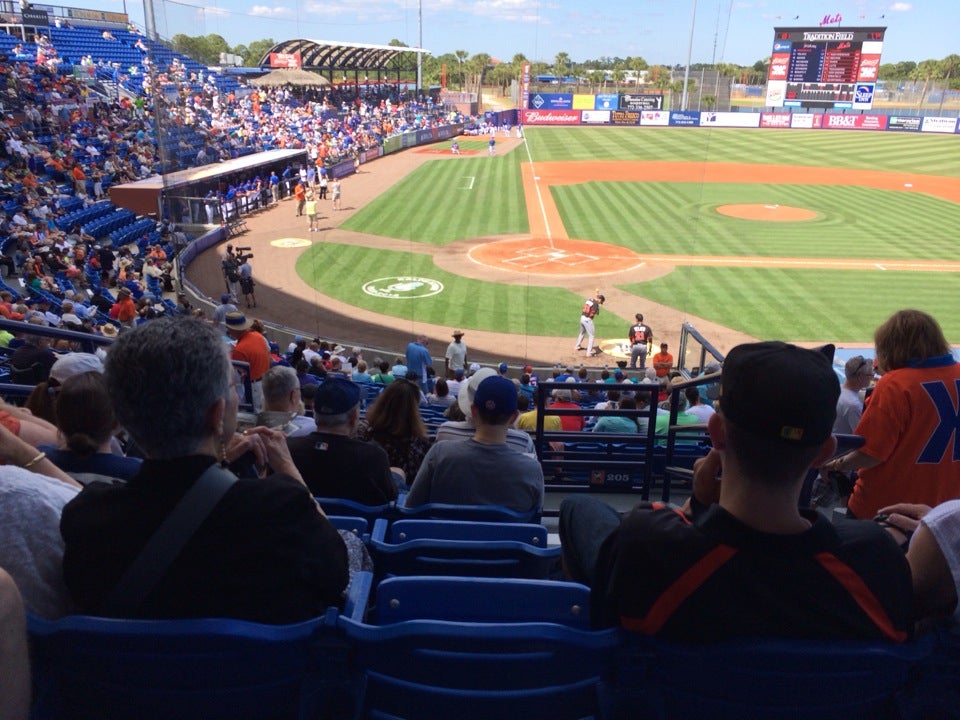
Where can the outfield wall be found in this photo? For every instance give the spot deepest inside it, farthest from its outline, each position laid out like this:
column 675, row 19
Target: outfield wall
column 693, row 118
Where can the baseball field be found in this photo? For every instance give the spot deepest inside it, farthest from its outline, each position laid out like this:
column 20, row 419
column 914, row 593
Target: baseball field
column 807, row 236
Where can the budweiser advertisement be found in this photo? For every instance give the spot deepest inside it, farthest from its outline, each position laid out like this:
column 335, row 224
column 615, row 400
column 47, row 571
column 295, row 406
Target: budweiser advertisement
column 551, row 117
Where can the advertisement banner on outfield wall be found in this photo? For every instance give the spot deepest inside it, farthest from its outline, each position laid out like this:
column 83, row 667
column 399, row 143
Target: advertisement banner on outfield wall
column 730, row 119
column 595, row 117
column 806, row 121
column 629, row 101
column 775, row 120
column 551, row 117
column 551, row 101
column 655, row 117
column 606, row 101
column 684, row 118
column 408, row 139
column 625, row 117
column 584, row 102
column 854, row 122
column 427, row 135
column 342, row 169
column 392, row 144
column 445, row 132
column 939, row 125
column 911, row 123
column 525, row 85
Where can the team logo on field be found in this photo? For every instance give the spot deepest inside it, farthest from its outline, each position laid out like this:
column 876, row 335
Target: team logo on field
column 403, row 287
column 290, row 243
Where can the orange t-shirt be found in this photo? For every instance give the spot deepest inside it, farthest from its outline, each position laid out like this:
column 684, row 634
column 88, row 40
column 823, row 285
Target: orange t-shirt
column 662, row 357
column 300, row 192
column 912, row 425
column 252, row 348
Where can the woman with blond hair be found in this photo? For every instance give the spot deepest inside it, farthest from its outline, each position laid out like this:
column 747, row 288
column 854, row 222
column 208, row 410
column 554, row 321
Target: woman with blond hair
column 912, row 448
column 394, row 423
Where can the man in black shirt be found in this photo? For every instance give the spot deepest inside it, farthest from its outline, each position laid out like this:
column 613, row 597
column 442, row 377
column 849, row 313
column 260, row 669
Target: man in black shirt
column 334, row 463
column 742, row 560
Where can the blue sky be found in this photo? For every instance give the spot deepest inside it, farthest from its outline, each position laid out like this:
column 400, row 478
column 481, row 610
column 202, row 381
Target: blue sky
column 739, row 31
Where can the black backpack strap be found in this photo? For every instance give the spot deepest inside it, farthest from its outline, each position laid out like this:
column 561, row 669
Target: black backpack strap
column 166, row 543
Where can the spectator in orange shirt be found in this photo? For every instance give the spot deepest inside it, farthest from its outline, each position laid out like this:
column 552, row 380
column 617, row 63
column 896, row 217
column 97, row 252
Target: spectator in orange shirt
column 123, row 309
column 300, row 193
column 79, row 179
column 251, row 348
column 663, row 361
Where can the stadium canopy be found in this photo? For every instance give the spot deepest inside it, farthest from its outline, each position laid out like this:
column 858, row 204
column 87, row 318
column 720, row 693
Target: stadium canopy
column 329, row 56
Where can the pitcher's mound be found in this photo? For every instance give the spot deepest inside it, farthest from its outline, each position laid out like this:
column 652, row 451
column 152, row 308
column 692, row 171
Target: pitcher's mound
column 770, row 213
column 555, row 257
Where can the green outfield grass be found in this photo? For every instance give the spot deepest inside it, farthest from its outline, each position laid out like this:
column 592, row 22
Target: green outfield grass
column 449, row 200
column 902, row 152
column 806, row 305
column 682, row 218
column 463, row 303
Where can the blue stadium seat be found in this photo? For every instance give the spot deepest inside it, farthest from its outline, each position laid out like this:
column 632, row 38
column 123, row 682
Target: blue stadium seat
column 341, row 506
column 489, row 513
column 356, row 525
column 761, row 679
column 460, row 550
column 87, row 667
column 477, row 648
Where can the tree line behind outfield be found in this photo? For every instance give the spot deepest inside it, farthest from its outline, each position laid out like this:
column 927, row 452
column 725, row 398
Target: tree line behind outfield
column 466, row 72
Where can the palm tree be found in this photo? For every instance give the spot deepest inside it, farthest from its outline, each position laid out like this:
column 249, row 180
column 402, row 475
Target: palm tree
column 949, row 66
column 561, row 63
column 637, row 64
column 461, row 55
column 926, row 70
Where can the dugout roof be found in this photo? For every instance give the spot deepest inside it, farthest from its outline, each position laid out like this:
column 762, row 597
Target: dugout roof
column 336, row 55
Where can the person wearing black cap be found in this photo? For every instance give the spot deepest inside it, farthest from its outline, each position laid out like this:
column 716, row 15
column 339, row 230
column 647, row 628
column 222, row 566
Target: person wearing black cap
column 591, row 308
column 743, row 560
column 334, row 463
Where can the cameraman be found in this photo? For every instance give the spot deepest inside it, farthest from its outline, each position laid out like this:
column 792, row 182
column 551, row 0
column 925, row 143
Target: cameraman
column 230, row 267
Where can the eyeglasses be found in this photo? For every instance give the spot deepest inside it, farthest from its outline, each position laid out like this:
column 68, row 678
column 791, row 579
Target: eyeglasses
column 863, row 363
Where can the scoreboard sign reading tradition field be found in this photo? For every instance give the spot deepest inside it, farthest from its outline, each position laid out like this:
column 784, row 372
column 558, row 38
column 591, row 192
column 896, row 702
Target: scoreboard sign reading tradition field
column 832, row 68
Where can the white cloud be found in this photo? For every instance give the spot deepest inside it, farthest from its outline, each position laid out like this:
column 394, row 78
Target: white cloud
column 901, row 7
column 267, row 11
column 223, row 12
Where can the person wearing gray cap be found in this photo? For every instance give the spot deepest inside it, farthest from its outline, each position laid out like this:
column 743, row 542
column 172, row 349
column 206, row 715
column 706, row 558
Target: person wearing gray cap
column 743, row 560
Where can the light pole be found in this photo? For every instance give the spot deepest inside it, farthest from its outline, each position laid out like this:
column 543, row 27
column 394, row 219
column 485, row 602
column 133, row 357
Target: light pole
column 686, row 72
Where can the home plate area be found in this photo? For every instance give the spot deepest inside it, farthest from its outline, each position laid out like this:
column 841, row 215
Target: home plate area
column 555, row 257
column 543, row 255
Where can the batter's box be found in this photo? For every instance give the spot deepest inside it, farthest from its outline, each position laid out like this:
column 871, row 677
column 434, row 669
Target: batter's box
column 547, row 256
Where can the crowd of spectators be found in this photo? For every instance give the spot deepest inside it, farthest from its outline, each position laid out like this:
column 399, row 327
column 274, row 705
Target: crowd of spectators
column 268, row 554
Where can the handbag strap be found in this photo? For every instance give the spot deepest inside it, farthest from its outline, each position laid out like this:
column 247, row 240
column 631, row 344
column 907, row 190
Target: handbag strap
column 169, row 539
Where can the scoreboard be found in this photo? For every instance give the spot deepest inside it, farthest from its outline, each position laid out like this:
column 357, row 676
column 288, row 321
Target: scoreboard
column 832, row 68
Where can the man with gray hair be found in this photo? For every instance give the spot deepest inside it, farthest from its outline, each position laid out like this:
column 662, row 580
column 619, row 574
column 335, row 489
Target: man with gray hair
column 334, row 463
column 282, row 404
column 262, row 552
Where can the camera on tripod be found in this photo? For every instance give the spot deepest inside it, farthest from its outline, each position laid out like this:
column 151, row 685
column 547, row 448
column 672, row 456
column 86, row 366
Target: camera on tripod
column 243, row 253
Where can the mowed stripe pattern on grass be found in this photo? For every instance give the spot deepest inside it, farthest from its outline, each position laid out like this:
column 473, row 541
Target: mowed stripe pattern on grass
column 448, row 200
column 340, row 271
column 837, row 306
column 681, row 218
column 902, row 152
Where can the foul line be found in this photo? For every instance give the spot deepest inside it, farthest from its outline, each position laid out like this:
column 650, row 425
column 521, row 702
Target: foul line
column 536, row 186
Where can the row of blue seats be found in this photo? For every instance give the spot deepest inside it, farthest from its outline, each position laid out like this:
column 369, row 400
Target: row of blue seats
column 432, row 647
column 103, row 226
column 131, row 232
column 80, row 217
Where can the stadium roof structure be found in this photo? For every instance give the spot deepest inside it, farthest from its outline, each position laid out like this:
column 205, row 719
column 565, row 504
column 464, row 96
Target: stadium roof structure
column 336, row 55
